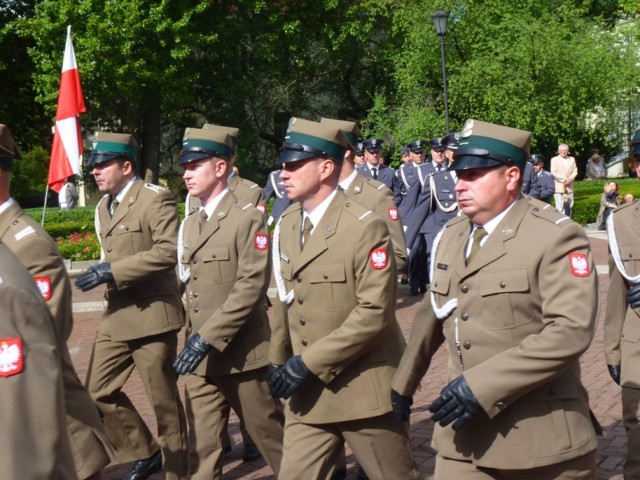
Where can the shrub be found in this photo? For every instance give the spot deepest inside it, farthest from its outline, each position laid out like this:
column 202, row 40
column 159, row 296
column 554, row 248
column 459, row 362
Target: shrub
column 587, row 197
column 79, row 246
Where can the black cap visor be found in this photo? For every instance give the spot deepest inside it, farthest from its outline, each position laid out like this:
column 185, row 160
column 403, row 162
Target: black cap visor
column 98, row 157
column 195, row 155
column 295, row 152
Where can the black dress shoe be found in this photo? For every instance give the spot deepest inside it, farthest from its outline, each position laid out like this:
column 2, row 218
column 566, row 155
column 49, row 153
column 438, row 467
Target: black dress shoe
column 340, row 474
column 414, row 290
column 404, row 280
column 362, row 475
column 250, row 452
column 143, row 469
column 423, row 289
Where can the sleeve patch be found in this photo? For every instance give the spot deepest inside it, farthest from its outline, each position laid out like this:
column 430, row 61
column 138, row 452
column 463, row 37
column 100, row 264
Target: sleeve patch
column 262, row 241
column 11, row 356
column 393, row 213
column 379, row 258
column 44, row 285
column 579, row 264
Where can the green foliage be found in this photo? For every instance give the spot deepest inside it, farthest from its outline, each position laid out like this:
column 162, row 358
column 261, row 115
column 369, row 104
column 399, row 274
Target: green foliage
column 79, row 246
column 587, row 197
column 55, row 215
column 29, row 175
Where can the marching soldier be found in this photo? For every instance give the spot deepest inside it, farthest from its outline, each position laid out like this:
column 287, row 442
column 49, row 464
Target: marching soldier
column 241, row 187
column 514, row 338
column 137, row 224
column 376, row 169
column 541, row 185
column 369, row 192
column 39, row 254
column 409, row 174
column 622, row 319
column 224, row 252
column 35, row 443
column 335, row 340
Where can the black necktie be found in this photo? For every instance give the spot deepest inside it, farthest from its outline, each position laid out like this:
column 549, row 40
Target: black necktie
column 374, row 173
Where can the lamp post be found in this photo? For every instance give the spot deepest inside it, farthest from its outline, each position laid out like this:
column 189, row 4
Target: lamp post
column 440, row 19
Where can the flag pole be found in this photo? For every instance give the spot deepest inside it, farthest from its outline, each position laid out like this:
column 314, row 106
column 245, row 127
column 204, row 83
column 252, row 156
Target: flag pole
column 44, row 207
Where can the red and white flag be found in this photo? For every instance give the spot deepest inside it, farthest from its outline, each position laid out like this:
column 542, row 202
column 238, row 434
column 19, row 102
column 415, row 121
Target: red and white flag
column 67, row 138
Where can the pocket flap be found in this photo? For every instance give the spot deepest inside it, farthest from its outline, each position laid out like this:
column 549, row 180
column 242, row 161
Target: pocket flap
column 127, row 226
column 327, row 272
column 441, row 282
column 215, row 253
column 508, row 281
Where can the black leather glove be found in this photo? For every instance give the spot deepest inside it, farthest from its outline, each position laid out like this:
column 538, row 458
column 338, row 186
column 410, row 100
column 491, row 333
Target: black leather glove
column 455, row 403
column 401, row 406
column 614, row 371
column 633, row 296
column 289, row 377
column 194, row 352
column 94, row 276
column 273, row 373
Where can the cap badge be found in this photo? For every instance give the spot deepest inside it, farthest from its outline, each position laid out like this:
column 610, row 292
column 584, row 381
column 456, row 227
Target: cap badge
column 467, row 129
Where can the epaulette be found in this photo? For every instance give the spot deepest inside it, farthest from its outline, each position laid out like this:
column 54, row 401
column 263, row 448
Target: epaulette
column 377, row 184
column 24, row 231
column 249, row 183
column 546, row 212
column 625, row 205
column 154, row 188
column 457, row 219
column 359, row 211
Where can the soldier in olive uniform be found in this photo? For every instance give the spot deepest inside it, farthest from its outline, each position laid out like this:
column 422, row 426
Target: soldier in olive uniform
column 335, row 340
column 514, row 406
column 39, row 254
column 370, row 192
column 137, row 224
column 224, row 254
column 241, row 187
column 34, row 443
column 622, row 319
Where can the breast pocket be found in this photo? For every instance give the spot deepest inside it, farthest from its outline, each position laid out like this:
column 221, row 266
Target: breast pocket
column 217, row 263
column 630, row 257
column 441, row 282
column 127, row 237
column 510, row 300
column 328, row 286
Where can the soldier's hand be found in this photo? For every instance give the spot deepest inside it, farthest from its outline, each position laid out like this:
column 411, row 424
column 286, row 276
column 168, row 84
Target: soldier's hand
column 273, row 373
column 614, row 371
column 633, row 296
column 455, row 403
column 94, row 276
column 401, row 406
column 289, row 377
column 194, row 352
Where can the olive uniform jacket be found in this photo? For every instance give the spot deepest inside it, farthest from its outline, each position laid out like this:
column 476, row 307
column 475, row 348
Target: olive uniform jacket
column 230, row 270
column 140, row 244
column 34, row 441
column 526, row 310
column 374, row 194
column 39, row 254
column 339, row 312
column 622, row 324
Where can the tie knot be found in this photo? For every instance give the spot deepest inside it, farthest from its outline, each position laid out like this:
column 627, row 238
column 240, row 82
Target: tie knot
column 479, row 234
column 307, row 226
column 203, row 215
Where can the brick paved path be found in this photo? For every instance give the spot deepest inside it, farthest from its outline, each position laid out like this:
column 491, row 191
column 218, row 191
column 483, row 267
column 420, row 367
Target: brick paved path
column 604, row 394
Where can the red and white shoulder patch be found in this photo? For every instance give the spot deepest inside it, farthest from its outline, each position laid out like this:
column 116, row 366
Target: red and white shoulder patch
column 44, row 285
column 262, row 207
column 262, row 241
column 579, row 264
column 379, row 258
column 11, row 356
column 393, row 213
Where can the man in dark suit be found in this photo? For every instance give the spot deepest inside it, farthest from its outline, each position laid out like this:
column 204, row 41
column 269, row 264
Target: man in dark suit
column 513, row 337
column 137, row 224
column 541, row 183
column 225, row 250
column 376, row 169
column 335, row 339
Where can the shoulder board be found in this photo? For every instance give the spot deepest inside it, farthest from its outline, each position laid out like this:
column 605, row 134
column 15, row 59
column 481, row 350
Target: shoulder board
column 457, row 219
column 546, row 212
column 625, row 205
column 293, row 208
column 23, row 232
column 154, row 188
column 375, row 183
column 360, row 212
column 248, row 183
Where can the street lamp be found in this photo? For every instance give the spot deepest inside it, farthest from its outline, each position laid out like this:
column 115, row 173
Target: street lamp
column 440, row 22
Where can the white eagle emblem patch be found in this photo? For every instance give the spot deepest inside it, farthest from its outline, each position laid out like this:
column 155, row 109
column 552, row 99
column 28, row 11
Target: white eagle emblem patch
column 44, row 285
column 262, row 208
column 579, row 264
column 379, row 258
column 11, row 357
column 393, row 213
column 262, row 241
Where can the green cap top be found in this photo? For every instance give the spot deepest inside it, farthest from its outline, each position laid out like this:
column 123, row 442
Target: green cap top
column 306, row 139
column 483, row 145
column 349, row 128
column 113, row 145
column 201, row 143
column 233, row 132
column 8, row 148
